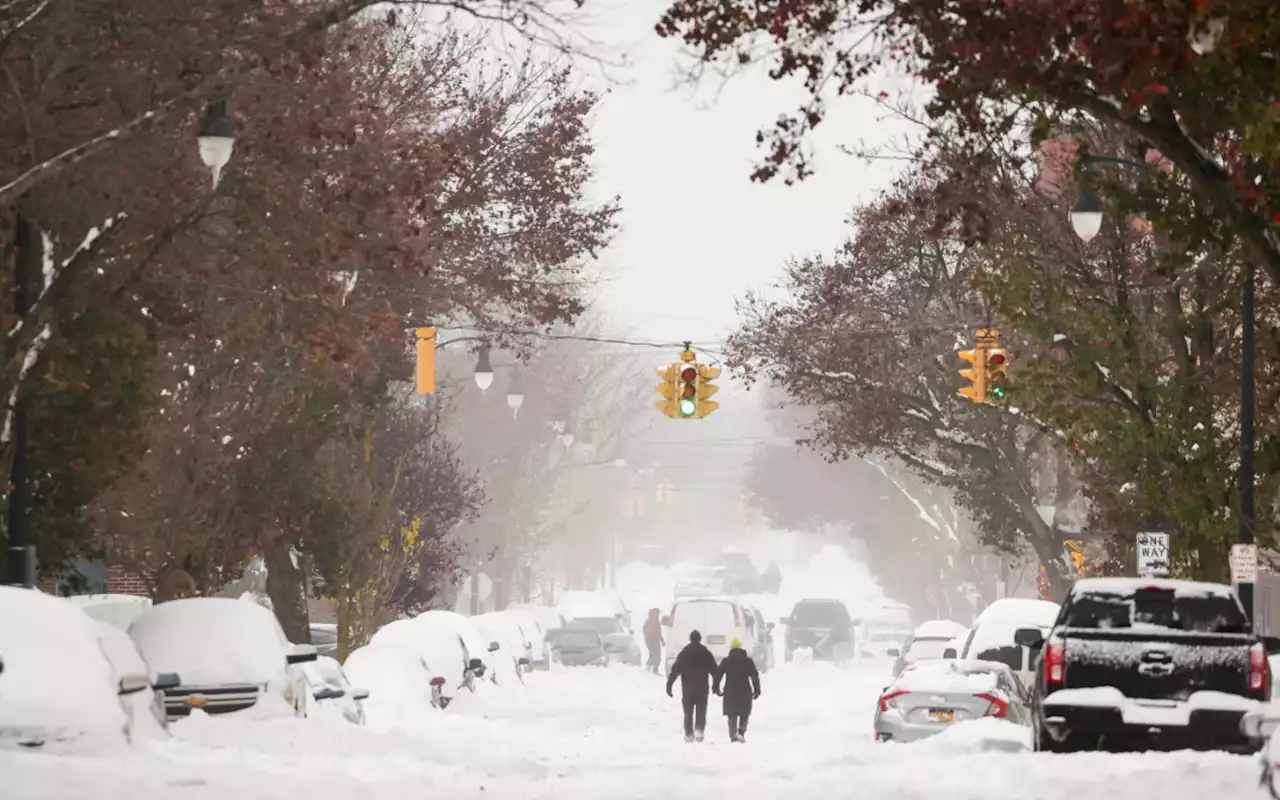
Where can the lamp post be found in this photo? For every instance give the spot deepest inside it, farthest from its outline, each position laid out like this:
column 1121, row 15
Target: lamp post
column 21, row 555
column 1086, row 221
column 216, row 138
column 484, row 371
column 515, row 393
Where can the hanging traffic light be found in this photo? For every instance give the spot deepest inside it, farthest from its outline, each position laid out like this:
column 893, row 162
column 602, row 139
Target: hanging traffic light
column 669, row 389
column 976, row 374
column 995, row 375
column 688, row 390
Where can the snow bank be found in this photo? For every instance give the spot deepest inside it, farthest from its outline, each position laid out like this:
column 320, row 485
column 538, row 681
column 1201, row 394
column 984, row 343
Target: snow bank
column 56, row 678
column 984, row 735
column 212, row 640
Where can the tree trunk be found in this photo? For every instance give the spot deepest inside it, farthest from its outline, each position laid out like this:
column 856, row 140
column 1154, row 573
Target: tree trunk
column 287, row 589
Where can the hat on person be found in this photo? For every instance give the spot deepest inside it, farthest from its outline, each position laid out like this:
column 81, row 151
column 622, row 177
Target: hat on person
column 695, row 637
column 736, row 644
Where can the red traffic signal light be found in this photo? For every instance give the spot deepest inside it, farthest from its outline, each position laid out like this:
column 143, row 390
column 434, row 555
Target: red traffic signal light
column 689, row 374
column 996, row 358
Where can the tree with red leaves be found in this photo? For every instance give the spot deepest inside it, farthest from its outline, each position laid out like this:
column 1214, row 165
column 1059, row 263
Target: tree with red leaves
column 1195, row 80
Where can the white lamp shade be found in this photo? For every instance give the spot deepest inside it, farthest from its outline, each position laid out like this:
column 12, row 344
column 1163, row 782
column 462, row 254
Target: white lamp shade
column 484, row 380
column 515, row 400
column 1086, row 224
column 215, row 151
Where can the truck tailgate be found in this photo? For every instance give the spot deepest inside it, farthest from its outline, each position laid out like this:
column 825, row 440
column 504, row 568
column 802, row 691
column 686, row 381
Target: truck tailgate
column 1156, row 663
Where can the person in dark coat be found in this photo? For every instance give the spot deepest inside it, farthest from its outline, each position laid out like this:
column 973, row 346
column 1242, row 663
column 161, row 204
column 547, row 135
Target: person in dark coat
column 694, row 666
column 653, row 640
column 741, row 688
column 771, row 579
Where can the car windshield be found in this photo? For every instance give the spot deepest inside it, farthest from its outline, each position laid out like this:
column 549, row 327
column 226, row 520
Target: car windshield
column 928, row 648
column 576, row 638
column 820, row 615
column 1165, row 608
column 601, row 625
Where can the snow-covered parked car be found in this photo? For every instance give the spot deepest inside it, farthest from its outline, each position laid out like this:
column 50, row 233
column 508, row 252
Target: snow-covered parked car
column 993, row 632
column 601, row 603
column 453, row 648
column 231, row 655
column 931, row 696
column 59, row 686
column 330, row 689
column 539, row 654
column 1260, row 725
column 503, row 627
column 405, row 683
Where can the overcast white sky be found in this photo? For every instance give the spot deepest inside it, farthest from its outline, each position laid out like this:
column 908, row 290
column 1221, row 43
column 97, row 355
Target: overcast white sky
column 696, row 233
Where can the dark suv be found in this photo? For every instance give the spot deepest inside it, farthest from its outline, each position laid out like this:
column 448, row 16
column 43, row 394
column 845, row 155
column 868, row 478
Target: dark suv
column 822, row 625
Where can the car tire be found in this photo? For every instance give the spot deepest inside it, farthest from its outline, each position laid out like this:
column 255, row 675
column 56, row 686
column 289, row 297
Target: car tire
column 1045, row 743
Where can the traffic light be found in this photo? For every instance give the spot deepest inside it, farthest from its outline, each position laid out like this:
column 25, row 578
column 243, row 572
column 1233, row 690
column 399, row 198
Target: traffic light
column 707, row 374
column 688, row 385
column 997, row 366
column 1075, row 549
column 976, row 375
column 669, row 389
column 425, row 362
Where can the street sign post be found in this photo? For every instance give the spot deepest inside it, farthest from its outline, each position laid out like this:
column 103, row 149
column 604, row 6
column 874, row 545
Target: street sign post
column 1244, row 563
column 1152, row 550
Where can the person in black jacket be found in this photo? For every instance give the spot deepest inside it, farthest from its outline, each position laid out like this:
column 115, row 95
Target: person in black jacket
column 741, row 687
column 694, row 666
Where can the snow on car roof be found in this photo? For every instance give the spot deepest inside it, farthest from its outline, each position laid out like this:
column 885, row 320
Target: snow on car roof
column 212, row 640
column 949, row 675
column 1126, row 586
column 56, row 677
column 939, row 629
column 1041, row 613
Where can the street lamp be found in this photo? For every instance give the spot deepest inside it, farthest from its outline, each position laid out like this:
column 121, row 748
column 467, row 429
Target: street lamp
column 1086, row 220
column 484, row 371
column 1086, row 215
column 515, row 393
column 217, row 138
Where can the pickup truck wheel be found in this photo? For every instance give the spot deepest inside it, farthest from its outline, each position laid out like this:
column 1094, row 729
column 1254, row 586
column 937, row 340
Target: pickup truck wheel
column 1047, row 744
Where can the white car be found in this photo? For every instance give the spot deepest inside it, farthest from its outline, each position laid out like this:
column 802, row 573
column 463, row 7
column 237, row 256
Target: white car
column 231, row 654
column 501, row 627
column 600, row 603
column 331, row 689
column 453, row 648
column 58, row 687
column 145, row 708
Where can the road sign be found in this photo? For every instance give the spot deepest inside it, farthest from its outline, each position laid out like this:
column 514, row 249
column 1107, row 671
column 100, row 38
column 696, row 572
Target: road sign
column 1244, row 563
column 1153, row 553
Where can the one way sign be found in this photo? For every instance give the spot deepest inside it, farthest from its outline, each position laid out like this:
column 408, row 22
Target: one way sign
column 1153, row 554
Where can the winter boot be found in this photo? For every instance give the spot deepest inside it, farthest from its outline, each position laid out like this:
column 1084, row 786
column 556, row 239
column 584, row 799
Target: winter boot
column 688, row 737
column 733, row 729
column 697, row 735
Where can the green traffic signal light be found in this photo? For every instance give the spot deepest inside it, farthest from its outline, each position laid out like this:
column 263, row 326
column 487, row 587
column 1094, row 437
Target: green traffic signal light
column 687, row 407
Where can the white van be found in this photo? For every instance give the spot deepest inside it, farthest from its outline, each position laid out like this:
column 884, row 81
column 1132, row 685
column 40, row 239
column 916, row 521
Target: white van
column 719, row 619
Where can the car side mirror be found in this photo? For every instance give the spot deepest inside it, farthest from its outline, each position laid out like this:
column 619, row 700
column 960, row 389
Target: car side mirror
column 893, row 651
column 437, row 681
column 1259, row 724
column 522, row 661
column 328, row 693
column 359, row 694
column 1272, row 644
column 475, row 663
column 301, row 654
column 166, row 680
column 950, row 652
column 133, row 683
column 493, row 647
column 1028, row 637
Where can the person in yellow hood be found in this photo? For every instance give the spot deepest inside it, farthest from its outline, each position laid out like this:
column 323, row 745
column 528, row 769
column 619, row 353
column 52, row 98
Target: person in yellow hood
column 741, row 688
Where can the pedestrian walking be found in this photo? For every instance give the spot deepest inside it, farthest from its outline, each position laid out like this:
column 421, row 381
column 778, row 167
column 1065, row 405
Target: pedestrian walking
column 653, row 640
column 694, row 666
column 741, row 687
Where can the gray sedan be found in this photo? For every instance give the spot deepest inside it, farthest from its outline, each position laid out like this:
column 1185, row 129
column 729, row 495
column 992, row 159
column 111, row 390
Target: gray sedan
column 931, row 696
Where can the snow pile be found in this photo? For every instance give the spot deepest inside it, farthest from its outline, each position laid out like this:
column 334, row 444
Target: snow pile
column 212, row 640
column 984, row 735
column 56, row 678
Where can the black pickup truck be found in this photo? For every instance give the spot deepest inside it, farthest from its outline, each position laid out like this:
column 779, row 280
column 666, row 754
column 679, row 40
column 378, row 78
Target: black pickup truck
column 1149, row 664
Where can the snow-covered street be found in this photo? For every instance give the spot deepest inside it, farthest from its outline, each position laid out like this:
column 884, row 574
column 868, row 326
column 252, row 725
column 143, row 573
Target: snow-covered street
column 612, row 733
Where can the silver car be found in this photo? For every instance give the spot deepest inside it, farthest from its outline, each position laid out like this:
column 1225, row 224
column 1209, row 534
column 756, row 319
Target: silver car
column 931, row 696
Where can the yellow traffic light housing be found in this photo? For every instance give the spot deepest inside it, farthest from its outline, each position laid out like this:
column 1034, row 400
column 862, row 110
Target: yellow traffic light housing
column 976, row 392
column 669, row 389
column 707, row 374
column 995, row 373
column 425, row 362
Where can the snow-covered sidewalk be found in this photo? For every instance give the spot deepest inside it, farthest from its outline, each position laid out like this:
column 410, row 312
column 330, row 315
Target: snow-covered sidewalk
column 613, row 733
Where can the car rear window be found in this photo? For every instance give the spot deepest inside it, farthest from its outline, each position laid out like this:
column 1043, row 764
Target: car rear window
column 821, row 615
column 1165, row 608
column 601, row 625
column 576, row 637
column 928, row 648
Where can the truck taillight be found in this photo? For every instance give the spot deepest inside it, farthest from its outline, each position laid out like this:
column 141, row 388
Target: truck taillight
column 1259, row 670
column 999, row 708
column 1055, row 667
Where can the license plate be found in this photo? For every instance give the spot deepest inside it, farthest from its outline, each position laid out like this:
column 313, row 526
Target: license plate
column 942, row 715
column 715, row 640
